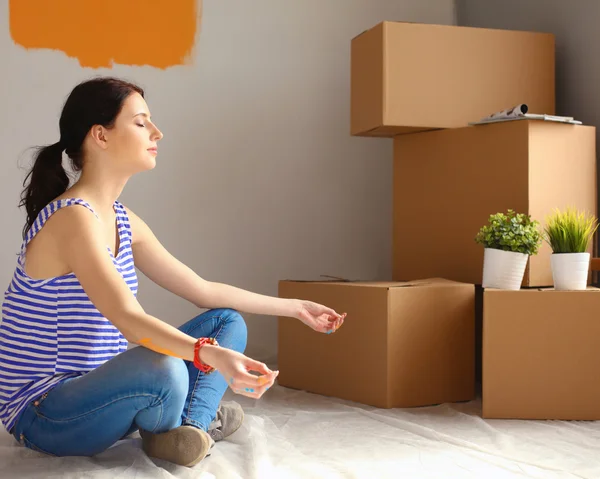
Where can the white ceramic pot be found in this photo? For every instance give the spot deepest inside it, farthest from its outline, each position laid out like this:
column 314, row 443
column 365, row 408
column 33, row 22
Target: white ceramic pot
column 570, row 271
column 503, row 269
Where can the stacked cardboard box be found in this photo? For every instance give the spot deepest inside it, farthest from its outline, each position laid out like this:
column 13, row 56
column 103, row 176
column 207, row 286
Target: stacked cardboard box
column 541, row 355
column 412, row 342
column 408, row 77
column 448, row 182
column 403, row 344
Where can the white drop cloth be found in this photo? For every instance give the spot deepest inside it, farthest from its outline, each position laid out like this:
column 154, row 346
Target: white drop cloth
column 292, row 434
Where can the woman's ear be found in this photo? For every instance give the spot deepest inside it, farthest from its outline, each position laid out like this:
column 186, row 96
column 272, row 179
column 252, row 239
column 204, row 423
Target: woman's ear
column 98, row 134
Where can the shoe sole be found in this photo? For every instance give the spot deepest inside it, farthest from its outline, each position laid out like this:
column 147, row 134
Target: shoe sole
column 185, row 445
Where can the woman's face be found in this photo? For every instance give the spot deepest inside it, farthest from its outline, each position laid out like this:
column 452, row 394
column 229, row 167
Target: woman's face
column 132, row 142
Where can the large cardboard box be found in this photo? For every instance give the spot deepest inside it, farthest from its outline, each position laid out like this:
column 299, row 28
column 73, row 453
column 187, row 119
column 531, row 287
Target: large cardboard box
column 541, row 354
column 448, row 182
column 401, row 345
column 407, row 77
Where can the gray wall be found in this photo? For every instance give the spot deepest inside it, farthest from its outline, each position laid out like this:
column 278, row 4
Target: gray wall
column 258, row 178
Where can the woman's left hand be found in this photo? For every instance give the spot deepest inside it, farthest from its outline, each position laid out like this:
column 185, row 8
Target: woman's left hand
column 318, row 317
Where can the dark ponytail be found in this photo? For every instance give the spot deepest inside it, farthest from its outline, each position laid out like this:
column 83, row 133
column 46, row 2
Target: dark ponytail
column 94, row 102
column 47, row 180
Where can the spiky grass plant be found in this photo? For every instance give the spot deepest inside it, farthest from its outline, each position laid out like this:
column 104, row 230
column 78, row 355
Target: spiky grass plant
column 569, row 231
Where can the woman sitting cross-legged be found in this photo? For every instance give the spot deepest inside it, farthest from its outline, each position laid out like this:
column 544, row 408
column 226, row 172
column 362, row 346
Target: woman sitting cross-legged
column 68, row 383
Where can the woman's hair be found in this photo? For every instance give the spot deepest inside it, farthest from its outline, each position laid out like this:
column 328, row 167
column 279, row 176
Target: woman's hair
column 93, row 102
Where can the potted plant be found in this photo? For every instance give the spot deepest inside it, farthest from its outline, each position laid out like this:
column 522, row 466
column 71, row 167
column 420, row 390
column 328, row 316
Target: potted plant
column 569, row 234
column 509, row 239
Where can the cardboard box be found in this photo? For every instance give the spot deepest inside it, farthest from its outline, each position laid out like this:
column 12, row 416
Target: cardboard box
column 541, row 354
column 401, row 345
column 408, row 77
column 448, row 182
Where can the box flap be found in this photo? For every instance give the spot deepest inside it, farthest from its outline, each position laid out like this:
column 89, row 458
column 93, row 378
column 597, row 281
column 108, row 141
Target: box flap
column 426, row 282
column 329, row 279
column 589, row 289
column 378, row 284
column 348, row 282
column 368, row 30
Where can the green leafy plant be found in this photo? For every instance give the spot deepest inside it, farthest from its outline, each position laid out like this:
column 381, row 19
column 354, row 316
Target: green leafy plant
column 569, row 231
column 511, row 231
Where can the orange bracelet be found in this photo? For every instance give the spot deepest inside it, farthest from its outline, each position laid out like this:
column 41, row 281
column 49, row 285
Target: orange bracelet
column 205, row 368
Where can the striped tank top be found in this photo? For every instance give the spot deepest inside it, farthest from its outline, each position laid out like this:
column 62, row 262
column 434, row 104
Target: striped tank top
column 50, row 330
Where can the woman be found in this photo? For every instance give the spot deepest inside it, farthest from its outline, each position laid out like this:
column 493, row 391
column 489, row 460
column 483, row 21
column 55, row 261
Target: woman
column 68, row 384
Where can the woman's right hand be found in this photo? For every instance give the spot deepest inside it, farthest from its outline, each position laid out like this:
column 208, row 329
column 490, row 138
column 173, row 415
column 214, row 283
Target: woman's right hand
column 235, row 368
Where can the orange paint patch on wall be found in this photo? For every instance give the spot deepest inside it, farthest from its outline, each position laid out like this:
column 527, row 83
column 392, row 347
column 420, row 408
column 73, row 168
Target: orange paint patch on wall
column 158, row 33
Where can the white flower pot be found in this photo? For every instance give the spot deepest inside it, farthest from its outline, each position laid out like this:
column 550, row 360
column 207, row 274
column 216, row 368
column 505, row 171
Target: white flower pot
column 503, row 269
column 570, row 270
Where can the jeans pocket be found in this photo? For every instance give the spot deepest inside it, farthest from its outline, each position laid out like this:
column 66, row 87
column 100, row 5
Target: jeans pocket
column 30, row 445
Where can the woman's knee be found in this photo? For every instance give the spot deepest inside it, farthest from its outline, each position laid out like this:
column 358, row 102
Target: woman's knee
column 170, row 374
column 232, row 331
column 167, row 383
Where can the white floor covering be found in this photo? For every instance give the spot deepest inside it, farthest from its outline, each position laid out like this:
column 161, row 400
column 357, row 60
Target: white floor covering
column 292, row 434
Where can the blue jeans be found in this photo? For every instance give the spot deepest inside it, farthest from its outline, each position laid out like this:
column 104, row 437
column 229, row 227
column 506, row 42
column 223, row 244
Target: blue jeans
column 139, row 388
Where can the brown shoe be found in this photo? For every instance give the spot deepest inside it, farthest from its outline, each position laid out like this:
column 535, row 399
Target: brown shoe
column 229, row 418
column 184, row 445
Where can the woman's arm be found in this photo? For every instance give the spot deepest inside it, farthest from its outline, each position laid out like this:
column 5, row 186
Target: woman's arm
column 81, row 245
column 164, row 269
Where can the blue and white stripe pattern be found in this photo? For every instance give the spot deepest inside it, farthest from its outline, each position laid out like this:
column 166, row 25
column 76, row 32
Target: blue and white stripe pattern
column 50, row 330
